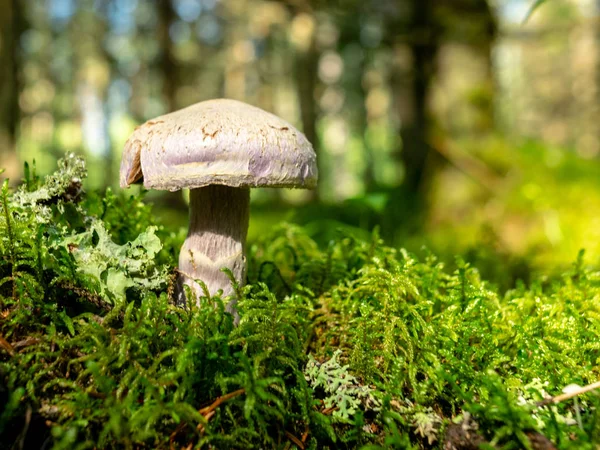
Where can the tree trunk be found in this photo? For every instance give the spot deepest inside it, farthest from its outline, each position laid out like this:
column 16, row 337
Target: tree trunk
column 168, row 66
column 307, row 64
column 484, row 15
column 11, row 24
column 415, row 124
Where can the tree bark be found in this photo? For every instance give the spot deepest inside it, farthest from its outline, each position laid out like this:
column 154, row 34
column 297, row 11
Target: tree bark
column 11, row 25
column 168, row 66
column 482, row 14
column 307, row 69
column 416, row 124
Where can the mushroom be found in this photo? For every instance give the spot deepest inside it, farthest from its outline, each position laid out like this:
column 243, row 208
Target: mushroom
column 218, row 149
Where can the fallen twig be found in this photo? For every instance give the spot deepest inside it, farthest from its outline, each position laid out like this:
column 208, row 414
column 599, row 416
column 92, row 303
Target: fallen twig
column 207, row 412
column 91, row 297
column 328, row 411
column 26, row 342
column 570, row 394
column 305, row 434
column 295, row 440
column 6, row 346
column 214, row 405
column 207, row 416
column 20, row 442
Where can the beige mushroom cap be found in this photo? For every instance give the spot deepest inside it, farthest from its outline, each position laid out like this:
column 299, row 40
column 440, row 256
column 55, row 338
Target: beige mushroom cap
column 218, row 142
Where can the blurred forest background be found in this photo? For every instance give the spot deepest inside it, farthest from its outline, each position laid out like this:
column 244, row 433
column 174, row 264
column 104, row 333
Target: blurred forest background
column 470, row 127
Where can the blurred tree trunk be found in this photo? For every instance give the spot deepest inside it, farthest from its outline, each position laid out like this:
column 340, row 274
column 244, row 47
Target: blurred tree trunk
column 356, row 97
column 11, row 26
column 306, row 78
column 168, row 67
column 597, row 81
column 236, row 38
column 369, row 178
column 481, row 13
column 432, row 24
column 307, row 72
column 306, row 69
column 112, row 157
column 424, row 44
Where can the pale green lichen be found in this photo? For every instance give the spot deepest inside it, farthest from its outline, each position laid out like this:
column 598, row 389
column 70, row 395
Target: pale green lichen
column 117, row 267
column 66, row 181
column 343, row 392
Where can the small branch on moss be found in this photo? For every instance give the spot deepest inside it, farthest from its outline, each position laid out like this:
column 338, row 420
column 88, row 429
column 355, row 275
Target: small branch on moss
column 214, row 405
column 26, row 343
column 20, row 442
column 328, row 411
column 207, row 412
column 94, row 299
column 95, row 394
column 305, row 434
column 570, row 394
column 207, row 416
column 295, row 440
column 6, row 346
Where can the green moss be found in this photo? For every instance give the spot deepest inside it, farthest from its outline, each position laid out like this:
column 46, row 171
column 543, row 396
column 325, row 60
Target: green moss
column 356, row 344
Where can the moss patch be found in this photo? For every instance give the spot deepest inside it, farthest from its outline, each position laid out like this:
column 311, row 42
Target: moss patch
column 352, row 345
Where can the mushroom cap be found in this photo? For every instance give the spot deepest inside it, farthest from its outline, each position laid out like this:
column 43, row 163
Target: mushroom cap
column 218, row 142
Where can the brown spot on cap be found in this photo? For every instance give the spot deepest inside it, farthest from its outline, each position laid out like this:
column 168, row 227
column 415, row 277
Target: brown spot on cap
column 207, row 134
column 280, row 128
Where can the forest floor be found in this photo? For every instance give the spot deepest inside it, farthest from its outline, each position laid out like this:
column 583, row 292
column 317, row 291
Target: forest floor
column 352, row 344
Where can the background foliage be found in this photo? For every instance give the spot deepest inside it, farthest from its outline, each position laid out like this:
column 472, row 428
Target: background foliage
column 463, row 122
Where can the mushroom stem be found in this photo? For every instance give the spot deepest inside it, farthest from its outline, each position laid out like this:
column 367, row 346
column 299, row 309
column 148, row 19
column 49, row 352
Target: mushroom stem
column 216, row 239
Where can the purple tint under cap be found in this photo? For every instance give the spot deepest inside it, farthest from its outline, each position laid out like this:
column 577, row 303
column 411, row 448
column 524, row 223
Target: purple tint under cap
column 218, row 142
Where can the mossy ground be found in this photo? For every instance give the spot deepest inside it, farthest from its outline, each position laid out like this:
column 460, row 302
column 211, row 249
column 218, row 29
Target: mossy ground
column 354, row 345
